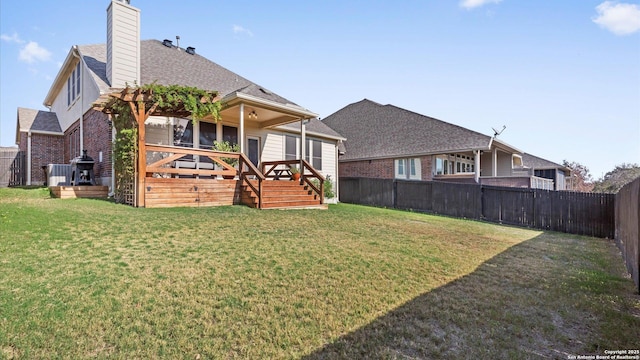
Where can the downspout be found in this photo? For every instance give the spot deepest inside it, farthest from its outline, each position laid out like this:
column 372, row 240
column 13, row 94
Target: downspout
column 76, row 54
column 29, row 158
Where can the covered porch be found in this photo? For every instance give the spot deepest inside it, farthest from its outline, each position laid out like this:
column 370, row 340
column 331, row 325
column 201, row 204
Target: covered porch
column 499, row 164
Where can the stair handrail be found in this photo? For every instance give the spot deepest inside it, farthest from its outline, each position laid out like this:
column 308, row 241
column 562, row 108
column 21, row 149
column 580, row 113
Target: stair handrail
column 252, row 170
column 314, row 174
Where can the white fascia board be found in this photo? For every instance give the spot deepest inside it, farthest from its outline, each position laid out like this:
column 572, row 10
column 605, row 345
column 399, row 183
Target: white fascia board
column 313, row 133
column 504, row 145
column 43, row 132
column 60, row 79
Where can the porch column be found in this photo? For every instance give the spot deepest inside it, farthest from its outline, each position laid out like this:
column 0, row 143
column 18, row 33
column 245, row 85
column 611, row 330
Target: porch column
column 241, row 128
column 477, row 166
column 494, row 162
column 303, row 140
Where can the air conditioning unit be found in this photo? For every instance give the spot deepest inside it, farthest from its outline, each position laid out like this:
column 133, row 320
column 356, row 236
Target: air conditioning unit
column 58, row 174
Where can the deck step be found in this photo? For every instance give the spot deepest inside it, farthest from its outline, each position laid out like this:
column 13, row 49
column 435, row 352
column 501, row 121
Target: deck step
column 281, row 194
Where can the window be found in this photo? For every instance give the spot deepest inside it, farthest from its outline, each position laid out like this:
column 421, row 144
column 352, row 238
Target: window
column 317, row 154
column 454, row 164
column 207, row 135
column 230, row 134
column 408, row 169
column 290, row 148
column 183, row 133
column 74, row 143
column 73, row 85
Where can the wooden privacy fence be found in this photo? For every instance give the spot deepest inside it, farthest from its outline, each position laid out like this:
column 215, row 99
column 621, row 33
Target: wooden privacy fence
column 628, row 227
column 570, row 212
column 12, row 167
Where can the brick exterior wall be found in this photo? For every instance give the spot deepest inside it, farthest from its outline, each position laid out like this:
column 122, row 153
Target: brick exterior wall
column 381, row 168
column 426, row 166
column 96, row 138
column 45, row 149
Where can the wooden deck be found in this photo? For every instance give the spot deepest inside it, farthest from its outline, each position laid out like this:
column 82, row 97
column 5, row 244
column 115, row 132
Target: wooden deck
column 168, row 181
column 277, row 194
column 70, row 192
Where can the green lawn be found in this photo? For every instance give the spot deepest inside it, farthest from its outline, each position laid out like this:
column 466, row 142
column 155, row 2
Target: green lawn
column 92, row 279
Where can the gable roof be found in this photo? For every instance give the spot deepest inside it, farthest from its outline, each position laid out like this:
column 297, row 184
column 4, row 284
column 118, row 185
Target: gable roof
column 538, row 163
column 174, row 66
column 37, row 120
column 386, row 131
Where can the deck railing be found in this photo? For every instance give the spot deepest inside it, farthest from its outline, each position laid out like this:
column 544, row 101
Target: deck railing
column 251, row 170
column 282, row 169
column 174, row 161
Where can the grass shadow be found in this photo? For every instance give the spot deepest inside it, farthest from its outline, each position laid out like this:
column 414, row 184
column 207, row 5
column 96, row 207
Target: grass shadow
column 548, row 297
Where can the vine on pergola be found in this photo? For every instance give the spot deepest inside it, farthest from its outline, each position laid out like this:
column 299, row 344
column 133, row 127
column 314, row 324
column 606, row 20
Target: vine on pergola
column 161, row 100
column 130, row 104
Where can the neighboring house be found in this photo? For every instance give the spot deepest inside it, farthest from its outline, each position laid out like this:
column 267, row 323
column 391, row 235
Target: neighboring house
column 385, row 141
column 545, row 169
column 266, row 126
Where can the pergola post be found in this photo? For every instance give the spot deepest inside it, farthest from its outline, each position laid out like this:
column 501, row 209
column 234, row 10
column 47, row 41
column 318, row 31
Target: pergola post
column 140, row 116
column 241, row 130
column 303, row 145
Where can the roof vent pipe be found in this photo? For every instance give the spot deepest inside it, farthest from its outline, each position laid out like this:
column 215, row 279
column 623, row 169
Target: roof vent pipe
column 167, row 43
column 178, row 42
column 191, row 50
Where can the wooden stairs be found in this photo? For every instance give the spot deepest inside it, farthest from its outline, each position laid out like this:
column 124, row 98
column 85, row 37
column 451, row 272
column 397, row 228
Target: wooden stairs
column 282, row 194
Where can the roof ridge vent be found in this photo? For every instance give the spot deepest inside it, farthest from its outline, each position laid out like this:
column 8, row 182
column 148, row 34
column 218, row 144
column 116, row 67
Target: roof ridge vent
column 167, row 43
column 191, row 50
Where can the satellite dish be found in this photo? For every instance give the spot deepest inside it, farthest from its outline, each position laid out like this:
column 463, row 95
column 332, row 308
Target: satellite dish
column 496, row 132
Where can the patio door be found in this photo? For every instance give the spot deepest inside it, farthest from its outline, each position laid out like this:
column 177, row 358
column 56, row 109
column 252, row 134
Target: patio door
column 253, row 149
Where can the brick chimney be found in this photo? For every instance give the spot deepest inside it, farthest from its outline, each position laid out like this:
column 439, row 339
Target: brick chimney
column 123, row 44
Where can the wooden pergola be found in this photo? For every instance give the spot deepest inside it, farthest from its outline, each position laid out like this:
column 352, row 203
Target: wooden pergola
column 142, row 105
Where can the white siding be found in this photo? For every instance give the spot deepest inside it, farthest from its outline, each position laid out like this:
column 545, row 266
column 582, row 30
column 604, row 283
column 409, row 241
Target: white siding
column 273, row 146
column 504, row 164
column 67, row 115
column 123, row 44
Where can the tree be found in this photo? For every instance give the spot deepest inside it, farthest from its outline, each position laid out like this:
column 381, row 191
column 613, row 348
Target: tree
column 580, row 179
column 615, row 179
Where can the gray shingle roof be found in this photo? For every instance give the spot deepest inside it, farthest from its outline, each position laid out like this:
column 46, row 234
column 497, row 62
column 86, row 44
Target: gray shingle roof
column 313, row 126
column 383, row 131
column 38, row 120
column 534, row 162
column 170, row 66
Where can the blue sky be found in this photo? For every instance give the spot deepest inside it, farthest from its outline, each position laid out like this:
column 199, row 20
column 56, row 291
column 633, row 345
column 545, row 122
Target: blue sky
column 563, row 76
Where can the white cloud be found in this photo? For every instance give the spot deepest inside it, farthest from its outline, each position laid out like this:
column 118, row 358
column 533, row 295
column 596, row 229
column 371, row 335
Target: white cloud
column 619, row 18
column 12, row 38
column 240, row 30
column 470, row 4
column 33, row 52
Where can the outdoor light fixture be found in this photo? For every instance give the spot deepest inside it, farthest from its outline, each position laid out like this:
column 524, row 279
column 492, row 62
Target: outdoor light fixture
column 253, row 115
